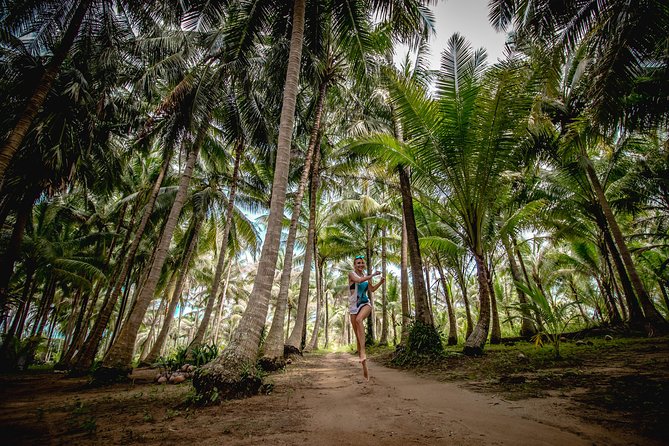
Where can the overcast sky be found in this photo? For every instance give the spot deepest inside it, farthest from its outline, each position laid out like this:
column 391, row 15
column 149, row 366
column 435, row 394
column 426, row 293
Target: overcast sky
column 470, row 19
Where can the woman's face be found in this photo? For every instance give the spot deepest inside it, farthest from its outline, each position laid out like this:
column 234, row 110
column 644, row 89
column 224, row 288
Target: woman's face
column 359, row 264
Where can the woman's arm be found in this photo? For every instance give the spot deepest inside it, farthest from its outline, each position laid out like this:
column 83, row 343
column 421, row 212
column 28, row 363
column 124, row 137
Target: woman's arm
column 373, row 288
column 358, row 279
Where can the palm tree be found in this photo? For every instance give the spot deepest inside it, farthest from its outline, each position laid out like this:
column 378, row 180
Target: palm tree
column 460, row 144
column 43, row 22
column 119, row 357
column 625, row 42
column 243, row 346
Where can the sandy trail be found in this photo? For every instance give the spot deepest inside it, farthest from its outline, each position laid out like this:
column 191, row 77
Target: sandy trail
column 399, row 408
column 318, row 400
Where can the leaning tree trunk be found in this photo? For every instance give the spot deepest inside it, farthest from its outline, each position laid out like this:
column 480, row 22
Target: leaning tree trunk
column 22, row 126
column 452, row 322
column 654, row 319
column 527, row 328
column 85, row 357
column 274, row 344
column 11, row 254
column 183, row 271
column 222, row 377
column 119, row 358
column 204, row 324
column 162, row 310
column 476, row 341
column 636, row 317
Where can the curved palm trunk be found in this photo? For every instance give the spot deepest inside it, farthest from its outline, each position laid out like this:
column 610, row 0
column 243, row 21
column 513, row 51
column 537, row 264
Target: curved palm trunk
column 243, row 347
column 178, row 288
column 452, row 322
column 119, row 357
column 653, row 317
column 204, row 324
column 20, row 130
column 476, row 341
column 84, row 359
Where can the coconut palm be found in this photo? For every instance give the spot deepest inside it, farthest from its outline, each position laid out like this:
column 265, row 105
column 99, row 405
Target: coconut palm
column 56, row 26
column 461, row 143
column 625, row 44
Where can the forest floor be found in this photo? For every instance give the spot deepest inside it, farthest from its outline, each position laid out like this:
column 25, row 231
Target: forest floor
column 602, row 393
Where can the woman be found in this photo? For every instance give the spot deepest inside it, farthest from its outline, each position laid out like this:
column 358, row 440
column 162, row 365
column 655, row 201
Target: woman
column 360, row 306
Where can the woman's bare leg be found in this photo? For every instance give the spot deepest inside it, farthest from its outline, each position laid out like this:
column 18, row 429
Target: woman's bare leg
column 364, row 312
column 354, row 326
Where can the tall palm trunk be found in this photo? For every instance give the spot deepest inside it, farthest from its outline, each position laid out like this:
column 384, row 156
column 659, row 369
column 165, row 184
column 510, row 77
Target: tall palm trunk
column 45, row 306
column 217, row 322
column 653, row 317
column 204, row 324
column 452, row 322
column 420, row 293
column 313, row 342
column 11, row 254
column 496, row 331
column 119, row 357
column 25, row 121
column 164, row 307
column 178, row 288
column 297, row 337
column 404, row 284
column 527, row 328
column 24, row 306
column 462, row 283
column 384, row 291
column 476, row 341
column 327, row 312
column 85, row 357
column 521, row 262
column 636, row 317
column 370, row 333
column 274, row 344
column 221, row 376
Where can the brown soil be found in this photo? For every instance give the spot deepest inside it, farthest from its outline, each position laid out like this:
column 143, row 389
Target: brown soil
column 325, row 400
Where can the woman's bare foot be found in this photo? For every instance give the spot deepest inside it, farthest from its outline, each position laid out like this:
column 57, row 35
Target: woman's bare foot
column 365, row 371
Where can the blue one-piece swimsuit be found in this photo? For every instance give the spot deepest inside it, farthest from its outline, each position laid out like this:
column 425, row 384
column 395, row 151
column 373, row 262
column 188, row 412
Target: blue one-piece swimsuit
column 358, row 297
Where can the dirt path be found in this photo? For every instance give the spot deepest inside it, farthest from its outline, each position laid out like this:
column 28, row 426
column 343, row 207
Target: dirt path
column 399, row 408
column 321, row 400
